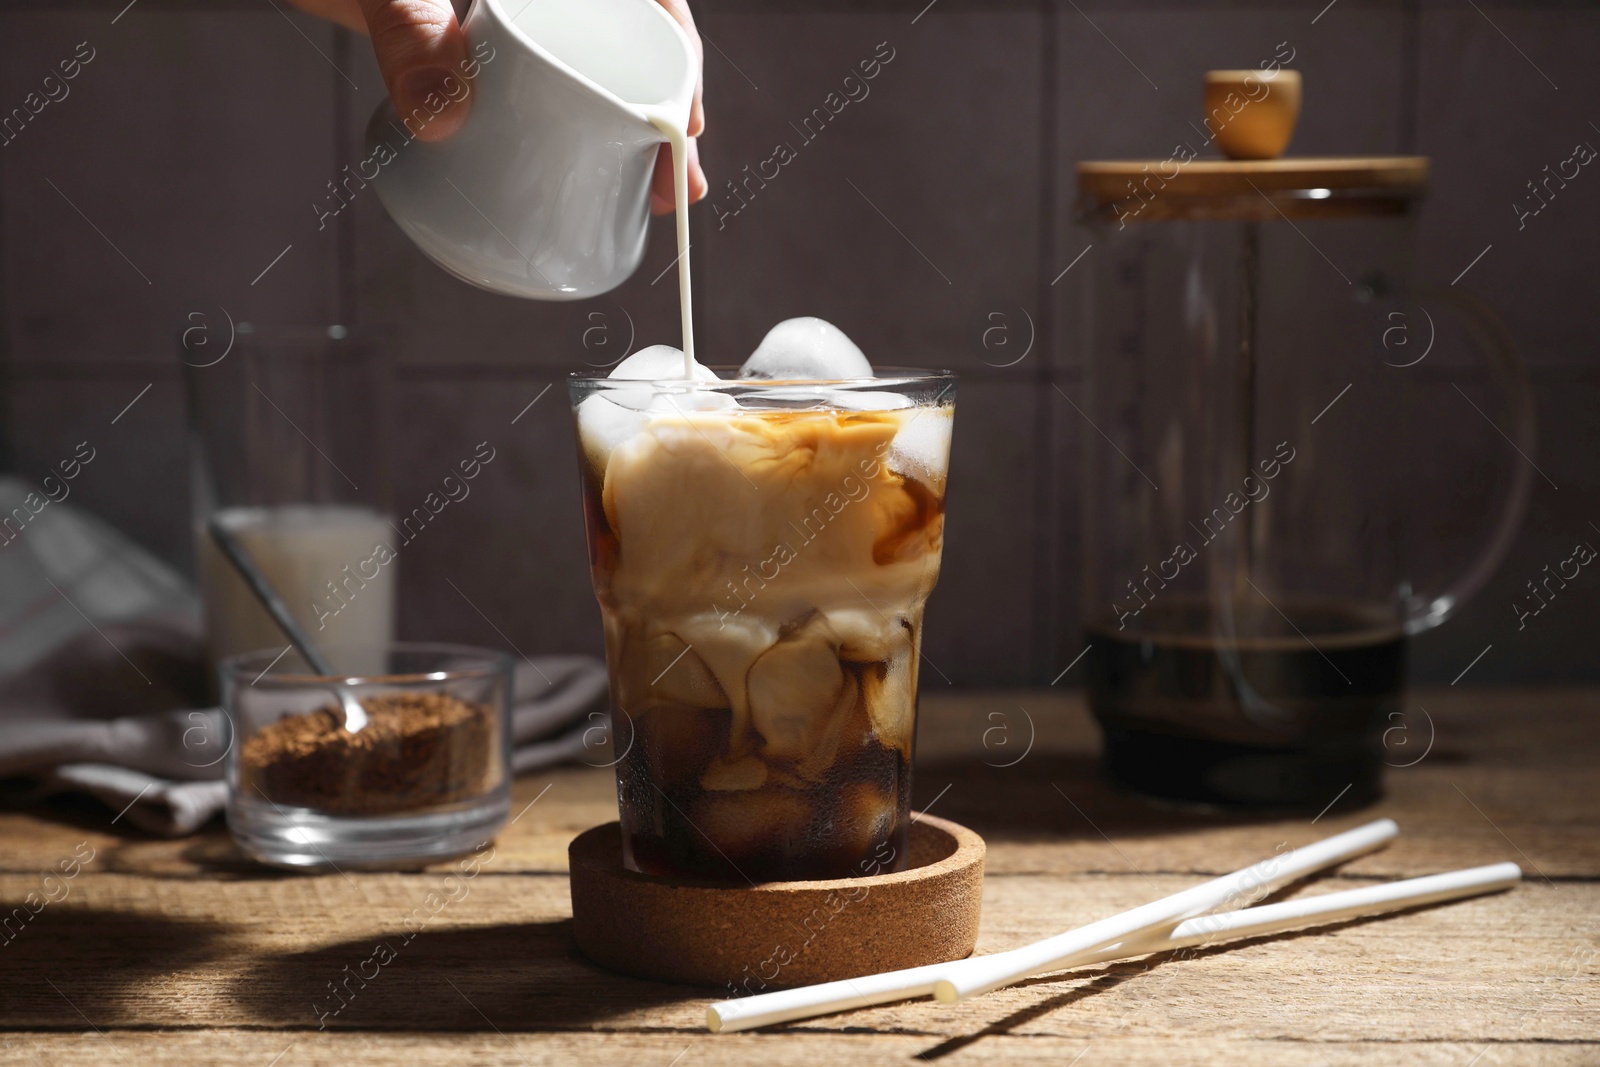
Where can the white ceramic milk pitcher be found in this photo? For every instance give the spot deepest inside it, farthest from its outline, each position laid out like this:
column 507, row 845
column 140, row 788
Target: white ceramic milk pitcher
column 544, row 191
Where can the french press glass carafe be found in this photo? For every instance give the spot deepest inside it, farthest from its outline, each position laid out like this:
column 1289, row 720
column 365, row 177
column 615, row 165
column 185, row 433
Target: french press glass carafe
column 1253, row 566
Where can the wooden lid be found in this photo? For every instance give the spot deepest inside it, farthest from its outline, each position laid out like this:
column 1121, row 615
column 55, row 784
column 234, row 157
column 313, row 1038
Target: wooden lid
column 1145, row 190
column 776, row 935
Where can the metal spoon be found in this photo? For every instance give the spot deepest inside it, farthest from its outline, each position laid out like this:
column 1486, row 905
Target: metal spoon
column 355, row 716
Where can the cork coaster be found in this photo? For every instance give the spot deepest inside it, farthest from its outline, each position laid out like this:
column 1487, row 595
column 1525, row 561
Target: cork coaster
column 776, row 935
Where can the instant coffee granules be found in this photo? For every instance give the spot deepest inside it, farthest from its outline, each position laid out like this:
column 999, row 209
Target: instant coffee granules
column 418, row 750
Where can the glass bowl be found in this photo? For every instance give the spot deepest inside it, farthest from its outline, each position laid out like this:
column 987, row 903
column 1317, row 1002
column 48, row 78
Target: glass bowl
column 428, row 775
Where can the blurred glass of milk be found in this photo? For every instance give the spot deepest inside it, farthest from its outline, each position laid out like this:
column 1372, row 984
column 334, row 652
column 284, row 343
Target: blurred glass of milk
column 288, row 441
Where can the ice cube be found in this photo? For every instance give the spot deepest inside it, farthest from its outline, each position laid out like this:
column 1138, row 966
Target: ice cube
column 642, row 397
column 865, row 635
column 663, row 363
column 728, row 642
column 824, row 757
column 889, row 690
column 602, row 426
column 667, row 401
column 725, row 775
column 806, row 349
column 678, row 742
column 786, row 399
column 793, row 688
column 657, row 363
column 866, row 400
column 921, row 448
column 744, row 823
column 863, row 816
column 670, row 671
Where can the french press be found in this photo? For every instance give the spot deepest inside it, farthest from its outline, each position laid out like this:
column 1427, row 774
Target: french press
column 1253, row 564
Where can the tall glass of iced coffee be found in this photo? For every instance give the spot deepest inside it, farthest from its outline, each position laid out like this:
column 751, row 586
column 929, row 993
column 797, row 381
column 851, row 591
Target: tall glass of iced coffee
column 762, row 550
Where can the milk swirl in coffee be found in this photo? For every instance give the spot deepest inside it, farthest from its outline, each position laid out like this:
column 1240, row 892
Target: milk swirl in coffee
column 762, row 548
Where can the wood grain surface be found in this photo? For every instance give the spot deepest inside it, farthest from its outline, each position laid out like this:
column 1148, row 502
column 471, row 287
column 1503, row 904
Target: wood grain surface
column 183, row 952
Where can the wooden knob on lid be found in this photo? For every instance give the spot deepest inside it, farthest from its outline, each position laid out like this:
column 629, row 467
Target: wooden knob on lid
column 1251, row 114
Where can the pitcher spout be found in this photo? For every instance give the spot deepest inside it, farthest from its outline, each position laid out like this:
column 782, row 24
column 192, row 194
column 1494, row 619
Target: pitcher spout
column 630, row 54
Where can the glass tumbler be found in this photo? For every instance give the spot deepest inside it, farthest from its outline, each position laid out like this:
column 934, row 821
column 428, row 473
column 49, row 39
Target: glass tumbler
column 762, row 552
column 426, row 775
column 288, row 433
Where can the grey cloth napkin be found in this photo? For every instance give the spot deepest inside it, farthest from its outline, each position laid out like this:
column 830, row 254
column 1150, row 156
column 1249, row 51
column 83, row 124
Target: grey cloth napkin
column 117, row 712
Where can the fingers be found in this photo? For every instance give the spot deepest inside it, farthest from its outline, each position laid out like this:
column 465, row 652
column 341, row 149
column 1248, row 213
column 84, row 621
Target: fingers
column 421, row 50
column 661, row 191
column 679, row 10
column 661, row 199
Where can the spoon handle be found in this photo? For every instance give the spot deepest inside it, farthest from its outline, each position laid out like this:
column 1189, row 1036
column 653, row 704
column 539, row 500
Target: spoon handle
column 268, row 596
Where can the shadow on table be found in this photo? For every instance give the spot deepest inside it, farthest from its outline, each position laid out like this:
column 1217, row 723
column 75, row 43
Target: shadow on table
column 1143, row 1001
column 80, row 811
column 62, row 961
column 219, row 857
column 1093, row 983
column 130, row 850
column 508, row 977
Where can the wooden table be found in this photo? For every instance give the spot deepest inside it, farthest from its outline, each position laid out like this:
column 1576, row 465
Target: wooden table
column 183, row 952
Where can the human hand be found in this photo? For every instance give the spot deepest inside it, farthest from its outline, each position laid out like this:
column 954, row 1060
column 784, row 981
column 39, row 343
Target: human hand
column 419, row 44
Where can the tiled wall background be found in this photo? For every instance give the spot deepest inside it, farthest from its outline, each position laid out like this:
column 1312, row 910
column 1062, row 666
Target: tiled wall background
column 192, row 146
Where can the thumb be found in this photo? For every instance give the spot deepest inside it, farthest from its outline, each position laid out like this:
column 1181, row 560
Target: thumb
column 421, row 52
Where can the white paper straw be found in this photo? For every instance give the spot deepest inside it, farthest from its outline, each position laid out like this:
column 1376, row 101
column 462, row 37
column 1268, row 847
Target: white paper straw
column 790, row 1004
column 1238, row 889
column 786, row 1005
column 1320, row 910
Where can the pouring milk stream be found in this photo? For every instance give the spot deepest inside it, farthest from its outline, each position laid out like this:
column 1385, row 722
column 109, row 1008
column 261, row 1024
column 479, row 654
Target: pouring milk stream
column 678, row 142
